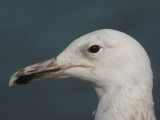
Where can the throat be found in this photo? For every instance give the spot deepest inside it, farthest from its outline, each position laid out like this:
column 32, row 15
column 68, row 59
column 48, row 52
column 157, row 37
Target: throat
column 124, row 104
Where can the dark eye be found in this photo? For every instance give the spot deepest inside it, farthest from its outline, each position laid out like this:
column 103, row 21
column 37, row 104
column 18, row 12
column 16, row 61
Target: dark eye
column 94, row 49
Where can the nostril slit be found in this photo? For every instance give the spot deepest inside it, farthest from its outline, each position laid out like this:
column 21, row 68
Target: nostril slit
column 32, row 70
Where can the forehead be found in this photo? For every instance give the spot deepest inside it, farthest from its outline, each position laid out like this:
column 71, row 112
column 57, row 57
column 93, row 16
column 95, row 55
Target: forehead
column 104, row 38
column 97, row 37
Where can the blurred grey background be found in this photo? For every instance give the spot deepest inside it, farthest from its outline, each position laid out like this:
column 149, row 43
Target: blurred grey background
column 35, row 30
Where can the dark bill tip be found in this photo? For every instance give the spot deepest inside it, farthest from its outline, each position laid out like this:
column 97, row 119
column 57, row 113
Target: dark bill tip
column 22, row 78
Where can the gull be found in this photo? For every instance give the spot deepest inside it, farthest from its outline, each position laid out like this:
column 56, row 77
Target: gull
column 115, row 64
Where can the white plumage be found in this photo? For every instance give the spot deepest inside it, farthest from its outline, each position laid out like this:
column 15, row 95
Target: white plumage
column 114, row 63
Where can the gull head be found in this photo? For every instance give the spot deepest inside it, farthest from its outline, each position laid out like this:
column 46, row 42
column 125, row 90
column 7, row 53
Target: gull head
column 114, row 63
column 105, row 58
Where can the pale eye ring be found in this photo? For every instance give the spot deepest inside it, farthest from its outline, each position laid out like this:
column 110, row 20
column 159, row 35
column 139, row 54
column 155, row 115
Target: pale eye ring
column 94, row 49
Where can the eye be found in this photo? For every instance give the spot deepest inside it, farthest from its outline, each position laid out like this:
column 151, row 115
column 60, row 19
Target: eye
column 94, row 49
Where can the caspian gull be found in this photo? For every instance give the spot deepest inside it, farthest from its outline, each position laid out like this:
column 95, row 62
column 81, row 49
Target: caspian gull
column 114, row 63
